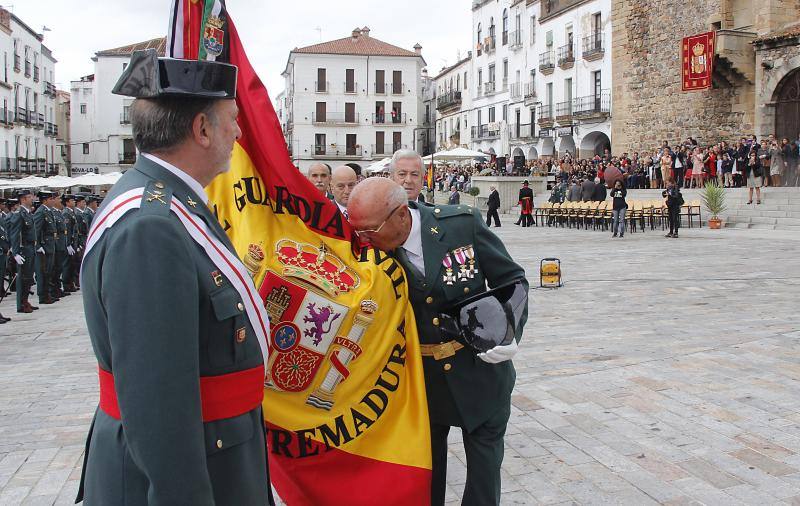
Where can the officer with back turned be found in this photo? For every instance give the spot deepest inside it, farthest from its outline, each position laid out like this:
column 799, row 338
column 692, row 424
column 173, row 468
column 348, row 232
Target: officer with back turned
column 468, row 335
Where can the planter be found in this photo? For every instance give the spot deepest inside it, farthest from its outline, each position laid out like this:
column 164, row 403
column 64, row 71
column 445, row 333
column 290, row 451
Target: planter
column 714, row 223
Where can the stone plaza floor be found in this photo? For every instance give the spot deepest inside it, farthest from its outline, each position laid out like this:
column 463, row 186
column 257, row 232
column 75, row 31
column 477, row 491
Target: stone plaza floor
column 663, row 371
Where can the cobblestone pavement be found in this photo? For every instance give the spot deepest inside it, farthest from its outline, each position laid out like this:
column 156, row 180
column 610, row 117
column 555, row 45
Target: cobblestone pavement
column 663, row 371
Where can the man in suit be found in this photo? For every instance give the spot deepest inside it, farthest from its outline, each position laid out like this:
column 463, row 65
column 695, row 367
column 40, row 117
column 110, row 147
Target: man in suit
column 449, row 255
column 526, row 205
column 455, row 197
column 574, row 194
column 170, row 307
column 22, row 229
column 46, row 234
column 600, row 192
column 406, row 169
column 493, row 204
column 587, row 190
column 343, row 180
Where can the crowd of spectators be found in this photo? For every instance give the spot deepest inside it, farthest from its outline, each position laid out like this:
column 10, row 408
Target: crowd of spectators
column 688, row 163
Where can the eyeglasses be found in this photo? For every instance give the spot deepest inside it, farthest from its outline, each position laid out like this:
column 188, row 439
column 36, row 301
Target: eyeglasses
column 362, row 233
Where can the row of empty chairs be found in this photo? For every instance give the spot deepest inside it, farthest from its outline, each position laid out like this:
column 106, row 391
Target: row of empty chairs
column 597, row 215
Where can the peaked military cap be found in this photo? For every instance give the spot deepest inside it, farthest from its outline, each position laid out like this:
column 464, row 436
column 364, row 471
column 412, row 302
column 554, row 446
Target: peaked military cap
column 22, row 192
column 79, row 198
column 67, row 196
column 45, row 194
column 12, row 202
column 487, row 319
column 148, row 76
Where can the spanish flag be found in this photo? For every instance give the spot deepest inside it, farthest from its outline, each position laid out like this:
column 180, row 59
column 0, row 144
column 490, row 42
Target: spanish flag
column 345, row 408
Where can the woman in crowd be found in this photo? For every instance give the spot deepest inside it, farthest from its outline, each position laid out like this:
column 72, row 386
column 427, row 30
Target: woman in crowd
column 778, row 166
column 697, row 168
column 666, row 166
column 618, row 194
column 752, row 175
column 727, row 170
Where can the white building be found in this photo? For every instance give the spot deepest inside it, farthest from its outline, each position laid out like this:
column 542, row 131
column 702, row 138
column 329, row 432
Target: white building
column 101, row 135
column 352, row 100
column 453, row 103
column 541, row 73
column 27, row 92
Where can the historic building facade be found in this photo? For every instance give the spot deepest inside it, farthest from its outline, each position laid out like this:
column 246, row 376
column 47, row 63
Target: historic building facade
column 352, row 100
column 747, row 93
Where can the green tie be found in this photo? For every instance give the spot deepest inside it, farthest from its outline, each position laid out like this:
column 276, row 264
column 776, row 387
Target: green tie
column 402, row 255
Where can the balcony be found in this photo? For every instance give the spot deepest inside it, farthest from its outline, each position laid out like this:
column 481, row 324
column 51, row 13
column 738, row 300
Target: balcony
column 566, row 57
column 545, row 115
column 547, row 62
column 397, row 88
column 387, row 149
column 735, row 49
column 7, row 164
column 564, row 111
column 50, row 129
column 489, row 88
column 322, row 87
column 17, row 63
column 6, row 117
column 448, row 100
column 35, row 74
column 350, row 88
column 127, row 158
column 37, row 120
column 125, row 118
column 22, row 115
column 593, row 48
column 483, row 133
column 49, row 89
column 52, row 169
column 27, row 68
column 593, row 106
column 489, row 44
column 336, row 151
column 515, row 40
column 530, row 93
column 391, row 118
column 520, row 131
column 380, row 88
column 516, row 91
column 335, row 118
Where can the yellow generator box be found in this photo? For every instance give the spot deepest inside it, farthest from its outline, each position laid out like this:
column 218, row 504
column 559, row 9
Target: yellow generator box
column 550, row 273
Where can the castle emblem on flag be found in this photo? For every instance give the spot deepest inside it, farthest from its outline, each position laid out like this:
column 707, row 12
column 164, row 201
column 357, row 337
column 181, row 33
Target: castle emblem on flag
column 698, row 58
column 214, row 36
column 306, row 321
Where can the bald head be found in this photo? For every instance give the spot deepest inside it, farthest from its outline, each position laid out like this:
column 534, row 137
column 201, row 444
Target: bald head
column 343, row 180
column 380, row 203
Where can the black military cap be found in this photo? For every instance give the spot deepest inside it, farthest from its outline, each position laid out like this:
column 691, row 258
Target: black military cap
column 487, row 319
column 12, row 202
column 148, row 76
column 525, row 182
column 21, row 192
column 45, row 194
column 67, row 196
column 79, row 198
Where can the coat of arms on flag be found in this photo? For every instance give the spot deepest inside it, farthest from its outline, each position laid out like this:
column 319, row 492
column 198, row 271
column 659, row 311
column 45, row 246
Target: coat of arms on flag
column 697, row 56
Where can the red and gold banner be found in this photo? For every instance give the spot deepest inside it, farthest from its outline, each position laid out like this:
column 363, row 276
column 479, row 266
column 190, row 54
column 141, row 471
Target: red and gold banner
column 697, row 56
column 345, row 404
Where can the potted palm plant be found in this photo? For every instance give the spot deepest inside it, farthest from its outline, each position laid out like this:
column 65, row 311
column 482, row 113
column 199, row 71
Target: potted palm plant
column 713, row 197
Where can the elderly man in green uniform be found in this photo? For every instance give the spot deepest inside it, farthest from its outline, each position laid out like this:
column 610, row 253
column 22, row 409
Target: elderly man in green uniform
column 45, row 252
column 22, row 229
column 174, row 318
column 449, row 256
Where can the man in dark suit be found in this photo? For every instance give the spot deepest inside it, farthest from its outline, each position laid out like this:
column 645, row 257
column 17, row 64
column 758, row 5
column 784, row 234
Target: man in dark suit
column 455, row 197
column 170, row 307
column 493, row 204
column 600, row 192
column 587, row 190
column 448, row 256
column 525, row 205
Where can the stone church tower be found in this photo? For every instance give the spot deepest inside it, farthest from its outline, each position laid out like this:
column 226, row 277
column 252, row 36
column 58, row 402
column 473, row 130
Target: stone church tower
column 649, row 106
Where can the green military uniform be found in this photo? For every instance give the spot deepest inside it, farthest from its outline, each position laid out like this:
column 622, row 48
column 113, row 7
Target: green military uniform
column 5, row 250
column 68, row 263
column 60, row 253
column 81, row 233
column 161, row 316
column 46, row 234
column 24, row 243
column 462, row 389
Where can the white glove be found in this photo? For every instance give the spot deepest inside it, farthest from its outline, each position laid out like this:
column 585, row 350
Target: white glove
column 19, row 259
column 40, row 250
column 70, row 250
column 500, row 353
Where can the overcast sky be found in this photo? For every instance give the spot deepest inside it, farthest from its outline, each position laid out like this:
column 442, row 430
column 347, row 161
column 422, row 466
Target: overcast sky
column 269, row 28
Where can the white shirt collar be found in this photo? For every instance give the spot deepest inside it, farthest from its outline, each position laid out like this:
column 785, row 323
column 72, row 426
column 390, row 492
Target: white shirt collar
column 413, row 242
column 186, row 178
column 342, row 208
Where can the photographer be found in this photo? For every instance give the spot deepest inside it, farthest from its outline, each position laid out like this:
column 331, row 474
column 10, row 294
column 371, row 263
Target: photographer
column 674, row 203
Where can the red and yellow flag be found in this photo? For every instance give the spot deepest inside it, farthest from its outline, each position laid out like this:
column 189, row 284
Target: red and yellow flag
column 344, row 402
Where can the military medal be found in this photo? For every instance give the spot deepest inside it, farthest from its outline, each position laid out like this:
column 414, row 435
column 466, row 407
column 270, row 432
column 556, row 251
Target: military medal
column 471, row 256
column 448, row 277
column 463, row 270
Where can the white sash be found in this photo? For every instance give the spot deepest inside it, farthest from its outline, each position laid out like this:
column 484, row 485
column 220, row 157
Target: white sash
column 227, row 262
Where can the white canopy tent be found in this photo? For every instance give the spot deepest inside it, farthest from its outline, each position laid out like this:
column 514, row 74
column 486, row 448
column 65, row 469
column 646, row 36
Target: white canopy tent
column 457, row 154
column 379, row 166
column 61, row 181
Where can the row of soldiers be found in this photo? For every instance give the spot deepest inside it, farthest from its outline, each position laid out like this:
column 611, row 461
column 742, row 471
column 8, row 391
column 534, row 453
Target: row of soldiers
column 43, row 242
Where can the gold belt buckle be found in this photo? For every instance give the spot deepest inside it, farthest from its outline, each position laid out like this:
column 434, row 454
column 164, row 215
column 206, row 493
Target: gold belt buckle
column 444, row 350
